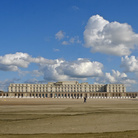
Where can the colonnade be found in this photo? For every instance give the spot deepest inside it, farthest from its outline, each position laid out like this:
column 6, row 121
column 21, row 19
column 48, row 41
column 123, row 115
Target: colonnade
column 69, row 95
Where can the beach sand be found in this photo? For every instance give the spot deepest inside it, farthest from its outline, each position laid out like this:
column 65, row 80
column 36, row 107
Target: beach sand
column 49, row 117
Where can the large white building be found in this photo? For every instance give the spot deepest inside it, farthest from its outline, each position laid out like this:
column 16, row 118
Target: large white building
column 66, row 86
column 66, row 89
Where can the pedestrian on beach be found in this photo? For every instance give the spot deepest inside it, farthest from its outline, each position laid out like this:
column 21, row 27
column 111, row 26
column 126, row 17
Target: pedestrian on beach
column 84, row 99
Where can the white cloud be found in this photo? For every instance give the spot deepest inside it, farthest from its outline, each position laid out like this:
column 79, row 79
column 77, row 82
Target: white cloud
column 115, row 78
column 75, row 39
column 34, row 73
column 37, row 73
column 50, row 71
column 81, row 68
column 72, row 40
column 60, row 35
column 130, row 64
column 68, row 40
column 58, row 69
column 12, row 62
column 40, row 60
column 65, row 43
column 64, row 70
column 23, row 73
column 109, row 37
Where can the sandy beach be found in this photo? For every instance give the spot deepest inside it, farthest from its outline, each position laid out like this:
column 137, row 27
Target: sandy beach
column 68, row 117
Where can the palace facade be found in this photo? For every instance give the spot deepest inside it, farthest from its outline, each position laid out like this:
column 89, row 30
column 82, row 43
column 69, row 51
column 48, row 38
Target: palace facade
column 66, row 86
column 67, row 89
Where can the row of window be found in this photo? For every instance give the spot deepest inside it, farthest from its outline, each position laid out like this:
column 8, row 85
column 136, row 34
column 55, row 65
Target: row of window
column 58, row 87
column 58, row 91
column 54, row 88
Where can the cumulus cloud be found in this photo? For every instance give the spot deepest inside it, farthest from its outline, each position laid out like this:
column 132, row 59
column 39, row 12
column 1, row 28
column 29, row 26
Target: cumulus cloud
column 109, row 37
column 51, row 70
column 59, row 35
column 65, row 70
column 130, row 64
column 12, row 62
column 81, row 68
column 115, row 78
column 37, row 73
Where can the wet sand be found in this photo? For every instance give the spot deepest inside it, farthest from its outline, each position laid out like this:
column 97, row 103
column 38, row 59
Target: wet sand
column 68, row 117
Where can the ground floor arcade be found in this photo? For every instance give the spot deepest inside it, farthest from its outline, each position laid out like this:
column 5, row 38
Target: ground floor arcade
column 69, row 95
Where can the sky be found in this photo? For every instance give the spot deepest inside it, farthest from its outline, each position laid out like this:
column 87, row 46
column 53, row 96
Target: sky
column 94, row 41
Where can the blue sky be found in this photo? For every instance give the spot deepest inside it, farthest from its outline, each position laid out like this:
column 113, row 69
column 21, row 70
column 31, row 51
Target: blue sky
column 84, row 40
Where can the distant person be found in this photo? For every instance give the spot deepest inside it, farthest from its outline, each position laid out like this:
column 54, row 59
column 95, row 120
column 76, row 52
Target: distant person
column 84, row 99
